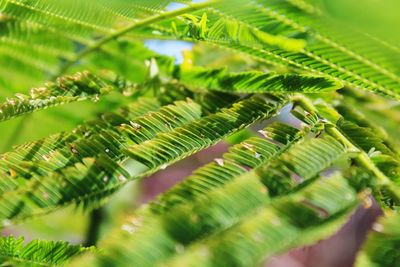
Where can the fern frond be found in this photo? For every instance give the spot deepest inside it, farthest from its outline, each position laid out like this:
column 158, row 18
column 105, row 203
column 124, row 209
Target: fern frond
column 91, row 176
column 78, row 87
column 233, row 31
column 251, row 153
column 13, row 252
column 171, row 147
column 90, row 142
column 255, row 82
column 303, row 162
column 219, row 208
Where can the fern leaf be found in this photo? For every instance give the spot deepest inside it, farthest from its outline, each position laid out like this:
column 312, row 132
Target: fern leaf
column 78, row 87
column 300, row 164
column 265, row 31
column 13, row 252
column 75, row 149
column 85, row 183
column 255, row 82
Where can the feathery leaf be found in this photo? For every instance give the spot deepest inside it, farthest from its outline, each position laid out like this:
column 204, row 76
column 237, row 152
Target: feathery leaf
column 255, row 82
column 13, row 252
column 78, row 87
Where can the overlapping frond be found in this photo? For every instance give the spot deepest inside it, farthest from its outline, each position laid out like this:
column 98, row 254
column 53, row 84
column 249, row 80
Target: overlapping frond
column 375, row 157
column 206, row 203
column 327, row 51
column 222, row 194
column 279, row 32
column 40, row 37
column 99, row 158
column 375, row 110
column 347, row 57
column 13, row 252
column 214, row 198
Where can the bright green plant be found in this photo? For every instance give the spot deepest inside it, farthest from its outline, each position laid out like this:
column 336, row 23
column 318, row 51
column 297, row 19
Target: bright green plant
column 281, row 185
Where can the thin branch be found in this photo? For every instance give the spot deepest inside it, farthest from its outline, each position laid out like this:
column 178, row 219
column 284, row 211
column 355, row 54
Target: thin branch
column 144, row 22
column 96, row 217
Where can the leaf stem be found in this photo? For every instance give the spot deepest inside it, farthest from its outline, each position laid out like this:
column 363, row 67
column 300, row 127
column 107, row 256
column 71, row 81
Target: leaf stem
column 96, row 218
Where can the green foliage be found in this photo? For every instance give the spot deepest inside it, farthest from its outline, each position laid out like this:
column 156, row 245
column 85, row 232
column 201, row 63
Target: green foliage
column 382, row 246
column 255, row 82
column 37, row 252
column 67, row 89
column 317, row 144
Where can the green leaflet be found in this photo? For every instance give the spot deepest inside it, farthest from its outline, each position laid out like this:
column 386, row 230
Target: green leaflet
column 295, row 220
column 13, row 252
column 60, row 150
column 367, row 140
column 170, row 147
column 44, row 148
column 219, row 209
column 381, row 248
column 255, row 82
column 78, row 87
